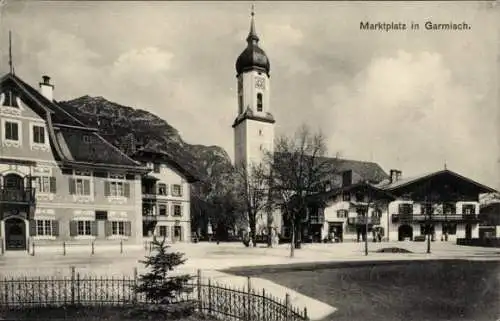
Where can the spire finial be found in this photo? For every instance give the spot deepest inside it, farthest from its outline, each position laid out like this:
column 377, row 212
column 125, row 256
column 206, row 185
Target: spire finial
column 252, row 35
column 10, row 53
column 445, row 167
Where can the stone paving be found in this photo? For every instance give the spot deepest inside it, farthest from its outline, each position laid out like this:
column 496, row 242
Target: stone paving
column 211, row 258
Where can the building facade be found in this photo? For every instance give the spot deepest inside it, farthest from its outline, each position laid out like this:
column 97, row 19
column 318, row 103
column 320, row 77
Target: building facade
column 59, row 179
column 165, row 197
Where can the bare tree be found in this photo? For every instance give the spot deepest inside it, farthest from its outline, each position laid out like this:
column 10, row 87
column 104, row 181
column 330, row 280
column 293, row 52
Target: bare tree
column 299, row 169
column 252, row 189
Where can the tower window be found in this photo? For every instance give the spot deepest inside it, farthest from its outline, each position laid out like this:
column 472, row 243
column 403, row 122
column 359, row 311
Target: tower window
column 259, row 102
column 260, row 132
column 240, row 104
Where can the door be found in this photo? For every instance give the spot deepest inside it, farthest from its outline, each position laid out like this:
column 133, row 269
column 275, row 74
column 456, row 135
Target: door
column 177, row 233
column 15, row 234
column 468, row 231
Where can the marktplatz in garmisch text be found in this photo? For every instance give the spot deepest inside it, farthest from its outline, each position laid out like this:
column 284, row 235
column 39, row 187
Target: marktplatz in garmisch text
column 398, row 26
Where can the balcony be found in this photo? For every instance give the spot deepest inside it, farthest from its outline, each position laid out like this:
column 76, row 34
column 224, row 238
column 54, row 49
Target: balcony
column 317, row 219
column 26, row 195
column 418, row 218
column 362, row 220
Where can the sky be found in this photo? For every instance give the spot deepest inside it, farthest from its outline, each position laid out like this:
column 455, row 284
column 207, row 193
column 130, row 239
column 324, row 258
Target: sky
column 408, row 100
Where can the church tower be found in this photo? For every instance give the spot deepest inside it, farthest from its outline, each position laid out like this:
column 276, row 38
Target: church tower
column 254, row 123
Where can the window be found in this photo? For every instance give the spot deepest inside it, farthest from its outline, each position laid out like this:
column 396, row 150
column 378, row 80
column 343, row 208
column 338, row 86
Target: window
column 156, row 168
column 163, row 231
column 11, row 131
column 468, row 209
column 116, row 186
column 84, row 228
column 10, row 100
column 449, row 208
column 162, row 209
column 377, row 213
column 346, row 197
column 342, row 213
column 162, row 189
column 176, row 190
column 45, row 184
column 405, row 208
column 259, row 102
column 82, row 186
column 44, row 227
column 38, row 134
column 177, row 210
column 118, row 228
column 426, row 209
column 260, row 132
column 361, row 211
column 240, row 104
column 101, row 215
column 86, row 139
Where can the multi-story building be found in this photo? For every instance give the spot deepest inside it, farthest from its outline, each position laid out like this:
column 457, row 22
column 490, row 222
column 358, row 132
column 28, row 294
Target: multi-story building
column 442, row 203
column 165, row 197
column 59, row 179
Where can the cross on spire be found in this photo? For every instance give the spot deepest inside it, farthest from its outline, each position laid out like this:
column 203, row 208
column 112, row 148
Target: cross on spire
column 10, row 53
column 252, row 35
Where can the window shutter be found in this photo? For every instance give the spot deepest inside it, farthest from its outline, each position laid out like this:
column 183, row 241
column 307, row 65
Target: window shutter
column 93, row 228
column 108, row 226
column 107, row 188
column 180, row 189
column 52, row 184
column 55, row 228
column 128, row 228
column 73, row 228
column 173, row 233
column 32, row 227
column 167, row 189
column 126, row 189
column 86, row 187
column 72, row 187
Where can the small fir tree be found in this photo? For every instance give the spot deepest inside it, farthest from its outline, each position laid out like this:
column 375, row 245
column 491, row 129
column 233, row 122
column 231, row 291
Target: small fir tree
column 158, row 287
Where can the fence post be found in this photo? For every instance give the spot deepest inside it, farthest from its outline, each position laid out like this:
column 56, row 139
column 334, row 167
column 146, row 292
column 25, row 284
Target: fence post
column 121, row 246
column 209, row 297
column 264, row 304
column 135, row 285
column 33, row 253
column 1, row 246
column 287, row 305
column 93, row 247
column 198, row 285
column 305, row 314
column 249, row 289
column 64, row 248
column 72, row 285
column 78, row 288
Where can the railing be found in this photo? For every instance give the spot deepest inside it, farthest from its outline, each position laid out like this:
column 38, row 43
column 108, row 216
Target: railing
column 25, row 195
column 362, row 220
column 433, row 217
column 209, row 297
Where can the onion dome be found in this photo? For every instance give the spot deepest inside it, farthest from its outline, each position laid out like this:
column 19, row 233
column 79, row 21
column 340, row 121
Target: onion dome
column 253, row 57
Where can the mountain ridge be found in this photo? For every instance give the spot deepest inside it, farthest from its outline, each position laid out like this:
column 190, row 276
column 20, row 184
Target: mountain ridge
column 130, row 128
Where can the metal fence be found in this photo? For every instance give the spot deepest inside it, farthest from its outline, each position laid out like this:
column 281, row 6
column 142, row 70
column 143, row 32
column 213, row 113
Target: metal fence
column 211, row 298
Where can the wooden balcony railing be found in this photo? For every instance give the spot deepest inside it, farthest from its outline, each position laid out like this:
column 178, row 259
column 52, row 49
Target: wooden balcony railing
column 26, row 195
column 454, row 217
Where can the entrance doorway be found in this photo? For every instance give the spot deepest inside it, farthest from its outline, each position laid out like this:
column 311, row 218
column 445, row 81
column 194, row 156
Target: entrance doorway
column 468, row 231
column 15, row 234
column 177, row 234
column 404, row 232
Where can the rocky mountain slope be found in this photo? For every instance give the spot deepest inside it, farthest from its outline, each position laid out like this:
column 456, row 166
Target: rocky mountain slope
column 129, row 128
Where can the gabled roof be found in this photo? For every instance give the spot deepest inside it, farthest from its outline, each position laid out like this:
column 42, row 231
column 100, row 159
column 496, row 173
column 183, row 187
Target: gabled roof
column 369, row 188
column 368, row 171
column 411, row 180
column 66, row 133
column 150, row 154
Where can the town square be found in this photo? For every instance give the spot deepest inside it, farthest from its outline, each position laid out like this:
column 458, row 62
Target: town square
column 248, row 161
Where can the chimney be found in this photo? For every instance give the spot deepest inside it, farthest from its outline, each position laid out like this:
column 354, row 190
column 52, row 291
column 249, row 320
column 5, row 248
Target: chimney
column 395, row 175
column 46, row 88
column 346, row 178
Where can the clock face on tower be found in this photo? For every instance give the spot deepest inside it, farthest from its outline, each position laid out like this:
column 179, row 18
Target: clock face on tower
column 260, row 83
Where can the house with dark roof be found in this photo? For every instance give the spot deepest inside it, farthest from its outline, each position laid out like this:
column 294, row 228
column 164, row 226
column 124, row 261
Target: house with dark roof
column 166, row 199
column 442, row 204
column 59, row 179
